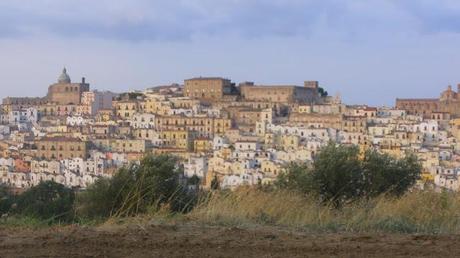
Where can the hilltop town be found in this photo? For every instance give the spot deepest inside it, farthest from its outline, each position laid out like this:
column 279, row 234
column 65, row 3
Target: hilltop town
column 225, row 133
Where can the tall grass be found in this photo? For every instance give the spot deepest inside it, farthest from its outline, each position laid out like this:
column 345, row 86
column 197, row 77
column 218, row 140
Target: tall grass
column 415, row 212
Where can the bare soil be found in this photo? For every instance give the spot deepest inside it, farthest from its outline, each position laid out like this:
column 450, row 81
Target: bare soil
column 205, row 241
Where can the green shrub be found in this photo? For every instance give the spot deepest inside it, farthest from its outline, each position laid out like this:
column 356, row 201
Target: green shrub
column 385, row 174
column 340, row 174
column 6, row 199
column 47, row 201
column 337, row 174
column 137, row 189
column 298, row 177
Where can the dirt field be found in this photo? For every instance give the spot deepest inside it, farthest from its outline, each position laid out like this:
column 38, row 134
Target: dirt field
column 199, row 241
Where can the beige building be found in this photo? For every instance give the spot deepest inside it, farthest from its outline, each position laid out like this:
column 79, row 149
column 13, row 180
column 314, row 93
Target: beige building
column 126, row 108
column 156, row 106
column 316, row 120
column 129, row 145
column 179, row 139
column 280, row 93
column 354, row 124
column 205, row 126
column 59, row 148
column 207, row 87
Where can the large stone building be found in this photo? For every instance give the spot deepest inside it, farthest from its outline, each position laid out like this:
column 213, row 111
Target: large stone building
column 64, row 92
column 280, row 93
column 448, row 102
column 207, row 87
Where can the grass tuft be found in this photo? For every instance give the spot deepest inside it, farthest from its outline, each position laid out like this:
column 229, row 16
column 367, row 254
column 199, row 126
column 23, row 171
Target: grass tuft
column 415, row 212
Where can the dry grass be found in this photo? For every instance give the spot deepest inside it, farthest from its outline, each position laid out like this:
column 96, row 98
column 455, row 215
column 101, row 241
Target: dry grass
column 416, row 212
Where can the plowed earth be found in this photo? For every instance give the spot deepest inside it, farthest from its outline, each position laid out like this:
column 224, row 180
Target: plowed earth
column 203, row 241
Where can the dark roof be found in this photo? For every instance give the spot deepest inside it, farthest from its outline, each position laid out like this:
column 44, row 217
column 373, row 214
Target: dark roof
column 60, row 139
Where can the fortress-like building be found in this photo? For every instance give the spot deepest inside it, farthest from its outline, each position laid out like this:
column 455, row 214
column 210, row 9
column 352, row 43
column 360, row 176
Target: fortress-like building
column 217, row 89
column 64, row 92
column 448, row 102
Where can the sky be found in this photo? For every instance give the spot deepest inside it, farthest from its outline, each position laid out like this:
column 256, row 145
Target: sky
column 368, row 51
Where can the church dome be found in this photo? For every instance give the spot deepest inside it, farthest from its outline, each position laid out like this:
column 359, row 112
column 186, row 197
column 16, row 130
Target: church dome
column 64, row 77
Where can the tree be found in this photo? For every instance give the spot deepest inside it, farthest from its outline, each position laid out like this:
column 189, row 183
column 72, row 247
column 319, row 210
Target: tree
column 6, row 199
column 385, row 174
column 339, row 174
column 322, row 92
column 136, row 189
column 298, row 177
column 48, row 201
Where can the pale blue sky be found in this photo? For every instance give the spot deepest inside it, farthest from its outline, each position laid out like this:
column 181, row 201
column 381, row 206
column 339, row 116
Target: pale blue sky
column 371, row 51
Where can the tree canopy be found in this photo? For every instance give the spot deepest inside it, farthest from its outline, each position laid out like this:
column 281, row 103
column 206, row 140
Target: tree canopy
column 136, row 189
column 48, row 201
column 339, row 174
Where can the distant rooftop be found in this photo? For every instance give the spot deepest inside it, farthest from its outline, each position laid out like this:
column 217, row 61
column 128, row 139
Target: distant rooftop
column 207, row 78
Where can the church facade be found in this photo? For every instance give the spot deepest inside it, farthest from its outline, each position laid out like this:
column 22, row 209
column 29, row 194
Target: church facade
column 63, row 92
column 448, row 102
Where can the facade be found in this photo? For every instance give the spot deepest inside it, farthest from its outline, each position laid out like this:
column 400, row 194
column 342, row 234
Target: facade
column 93, row 101
column 204, row 126
column 207, row 87
column 59, row 148
column 448, row 102
column 281, row 93
column 126, row 108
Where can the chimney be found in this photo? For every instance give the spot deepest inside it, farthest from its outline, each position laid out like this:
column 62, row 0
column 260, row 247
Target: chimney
column 83, row 80
column 311, row 84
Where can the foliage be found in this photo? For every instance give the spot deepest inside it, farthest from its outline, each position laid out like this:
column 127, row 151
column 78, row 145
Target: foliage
column 339, row 174
column 137, row 189
column 104, row 196
column 47, row 201
column 322, row 92
column 215, row 183
column 194, row 180
column 385, row 174
column 6, row 199
column 299, row 177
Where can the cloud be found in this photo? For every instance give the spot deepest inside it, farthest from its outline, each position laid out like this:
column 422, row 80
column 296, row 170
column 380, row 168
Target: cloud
column 182, row 20
column 370, row 50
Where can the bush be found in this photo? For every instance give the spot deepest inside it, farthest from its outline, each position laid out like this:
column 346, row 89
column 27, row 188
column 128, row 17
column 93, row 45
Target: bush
column 298, row 177
column 340, row 174
column 47, row 201
column 337, row 173
column 385, row 174
column 6, row 199
column 137, row 189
